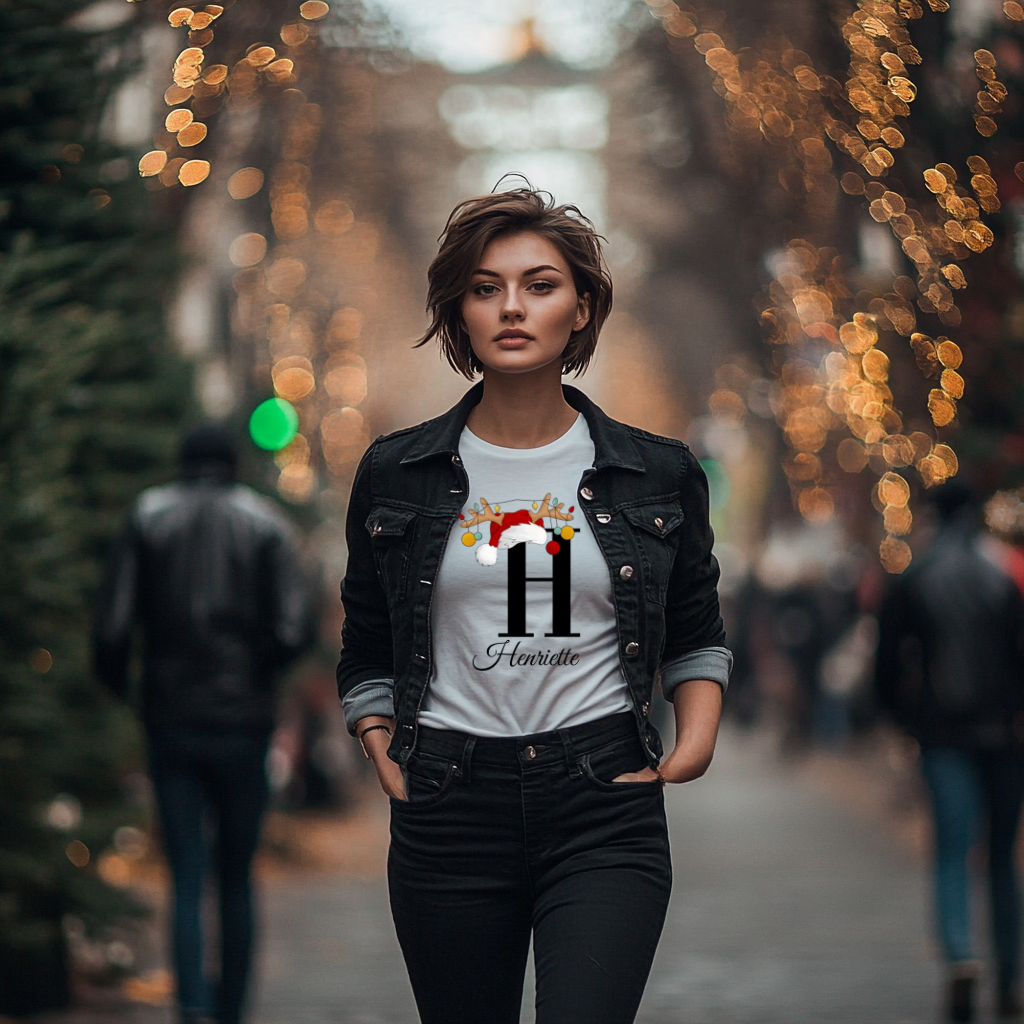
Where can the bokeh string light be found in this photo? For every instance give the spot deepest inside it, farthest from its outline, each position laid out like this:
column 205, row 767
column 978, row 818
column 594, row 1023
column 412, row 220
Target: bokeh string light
column 294, row 283
column 833, row 374
column 207, row 87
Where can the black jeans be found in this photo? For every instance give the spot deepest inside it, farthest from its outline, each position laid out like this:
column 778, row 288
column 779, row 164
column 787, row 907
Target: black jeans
column 221, row 776
column 504, row 837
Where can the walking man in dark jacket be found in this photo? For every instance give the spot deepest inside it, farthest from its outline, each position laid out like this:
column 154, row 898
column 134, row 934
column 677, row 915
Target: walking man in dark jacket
column 950, row 671
column 210, row 571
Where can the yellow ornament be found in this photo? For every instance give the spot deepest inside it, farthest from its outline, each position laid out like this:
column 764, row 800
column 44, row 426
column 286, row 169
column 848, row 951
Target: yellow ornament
column 468, row 539
column 568, row 533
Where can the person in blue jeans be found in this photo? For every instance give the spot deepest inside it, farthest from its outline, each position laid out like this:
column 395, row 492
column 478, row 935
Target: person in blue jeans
column 211, row 572
column 950, row 671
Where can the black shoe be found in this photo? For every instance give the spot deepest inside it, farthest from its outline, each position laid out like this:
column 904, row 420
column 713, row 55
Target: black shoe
column 962, row 991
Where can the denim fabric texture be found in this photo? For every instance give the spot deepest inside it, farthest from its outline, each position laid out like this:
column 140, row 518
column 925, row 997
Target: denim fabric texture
column 646, row 499
column 211, row 782
column 977, row 795
column 503, row 837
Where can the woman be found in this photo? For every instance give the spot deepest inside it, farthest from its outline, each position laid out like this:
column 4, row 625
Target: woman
column 520, row 569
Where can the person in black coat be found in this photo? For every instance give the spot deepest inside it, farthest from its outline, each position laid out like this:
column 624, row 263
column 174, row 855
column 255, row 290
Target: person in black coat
column 950, row 672
column 211, row 573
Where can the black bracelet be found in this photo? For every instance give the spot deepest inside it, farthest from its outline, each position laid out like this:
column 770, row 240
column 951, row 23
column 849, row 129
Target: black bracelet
column 370, row 728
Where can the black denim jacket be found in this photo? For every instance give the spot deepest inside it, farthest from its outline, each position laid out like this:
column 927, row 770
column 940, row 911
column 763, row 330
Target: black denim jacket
column 646, row 499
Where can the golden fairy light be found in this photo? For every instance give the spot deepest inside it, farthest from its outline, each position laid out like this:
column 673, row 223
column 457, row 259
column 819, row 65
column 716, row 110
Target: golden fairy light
column 778, row 98
column 296, row 283
column 206, row 88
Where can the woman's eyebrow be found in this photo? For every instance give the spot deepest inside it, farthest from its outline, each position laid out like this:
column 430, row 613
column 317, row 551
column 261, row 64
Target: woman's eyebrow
column 526, row 273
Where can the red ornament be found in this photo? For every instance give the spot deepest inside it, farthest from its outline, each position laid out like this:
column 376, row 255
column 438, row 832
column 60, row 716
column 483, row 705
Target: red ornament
column 553, row 547
column 461, row 516
column 572, row 508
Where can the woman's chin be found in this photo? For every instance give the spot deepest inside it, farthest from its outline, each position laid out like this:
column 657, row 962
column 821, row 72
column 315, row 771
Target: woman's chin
column 516, row 363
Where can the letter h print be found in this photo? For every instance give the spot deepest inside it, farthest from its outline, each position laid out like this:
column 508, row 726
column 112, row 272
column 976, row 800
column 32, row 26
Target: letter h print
column 561, row 591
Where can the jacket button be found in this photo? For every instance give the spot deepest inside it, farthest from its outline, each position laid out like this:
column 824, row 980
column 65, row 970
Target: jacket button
column 586, row 494
column 644, row 708
column 456, row 460
column 625, row 572
column 376, row 529
column 632, row 648
column 658, row 523
column 603, row 517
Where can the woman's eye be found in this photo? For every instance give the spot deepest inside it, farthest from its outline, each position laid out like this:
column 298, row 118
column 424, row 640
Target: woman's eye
column 541, row 286
column 485, row 289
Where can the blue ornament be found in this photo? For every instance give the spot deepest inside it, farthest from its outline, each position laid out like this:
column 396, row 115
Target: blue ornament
column 479, row 536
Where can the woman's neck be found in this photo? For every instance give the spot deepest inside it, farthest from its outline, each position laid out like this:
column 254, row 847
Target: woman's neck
column 522, row 410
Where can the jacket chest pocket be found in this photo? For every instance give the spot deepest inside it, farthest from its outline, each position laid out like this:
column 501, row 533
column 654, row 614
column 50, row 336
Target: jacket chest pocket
column 655, row 529
column 391, row 531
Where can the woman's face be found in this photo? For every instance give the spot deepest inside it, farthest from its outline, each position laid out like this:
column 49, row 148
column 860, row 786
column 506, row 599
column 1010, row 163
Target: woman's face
column 521, row 305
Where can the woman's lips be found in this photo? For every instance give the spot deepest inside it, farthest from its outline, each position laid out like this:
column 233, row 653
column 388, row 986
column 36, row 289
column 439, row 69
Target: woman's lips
column 512, row 339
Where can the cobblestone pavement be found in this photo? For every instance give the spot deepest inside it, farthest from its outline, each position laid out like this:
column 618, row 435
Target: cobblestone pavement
column 792, row 904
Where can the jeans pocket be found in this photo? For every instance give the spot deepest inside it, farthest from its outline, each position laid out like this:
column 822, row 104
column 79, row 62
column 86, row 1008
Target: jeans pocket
column 601, row 767
column 427, row 780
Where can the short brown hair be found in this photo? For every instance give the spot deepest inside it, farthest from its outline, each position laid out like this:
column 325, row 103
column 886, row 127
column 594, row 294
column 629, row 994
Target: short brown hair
column 476, row 222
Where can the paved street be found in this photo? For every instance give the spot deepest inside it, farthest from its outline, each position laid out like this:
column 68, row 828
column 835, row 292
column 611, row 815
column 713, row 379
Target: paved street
column 796, row 901
column 788, row 907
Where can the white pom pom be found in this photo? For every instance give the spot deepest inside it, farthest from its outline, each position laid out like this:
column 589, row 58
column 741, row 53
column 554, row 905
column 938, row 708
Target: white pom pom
column 486, row 555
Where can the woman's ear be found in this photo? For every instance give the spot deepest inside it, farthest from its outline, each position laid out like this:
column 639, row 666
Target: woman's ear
column 582, row 313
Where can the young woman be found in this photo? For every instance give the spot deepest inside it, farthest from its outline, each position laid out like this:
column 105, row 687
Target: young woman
column 520, row 570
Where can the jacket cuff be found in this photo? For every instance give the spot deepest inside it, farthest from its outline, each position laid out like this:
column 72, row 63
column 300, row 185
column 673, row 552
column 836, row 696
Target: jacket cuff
column 370, row 697
column 714, row 663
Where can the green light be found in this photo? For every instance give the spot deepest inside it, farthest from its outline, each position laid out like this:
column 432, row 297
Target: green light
column 273, row 424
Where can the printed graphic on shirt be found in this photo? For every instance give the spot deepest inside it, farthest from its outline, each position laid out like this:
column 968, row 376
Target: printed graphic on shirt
column 540, row 522
column 523, row 626
column 524, row 526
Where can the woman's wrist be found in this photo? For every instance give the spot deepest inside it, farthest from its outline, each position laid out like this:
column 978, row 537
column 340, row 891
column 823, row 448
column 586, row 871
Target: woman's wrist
column 374, row 734
column 680, row 766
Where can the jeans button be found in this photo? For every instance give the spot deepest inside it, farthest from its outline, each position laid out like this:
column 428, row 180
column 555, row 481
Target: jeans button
column 530, row 753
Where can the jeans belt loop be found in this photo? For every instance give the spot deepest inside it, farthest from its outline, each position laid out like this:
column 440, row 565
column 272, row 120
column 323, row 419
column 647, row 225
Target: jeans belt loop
column 571, row 760
column 467, row 758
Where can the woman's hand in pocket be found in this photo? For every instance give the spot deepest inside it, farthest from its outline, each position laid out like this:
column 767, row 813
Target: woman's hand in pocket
column 375, row 744
column 646, row 775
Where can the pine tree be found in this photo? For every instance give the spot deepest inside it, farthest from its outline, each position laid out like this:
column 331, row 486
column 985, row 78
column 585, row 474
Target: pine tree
column 90, row 399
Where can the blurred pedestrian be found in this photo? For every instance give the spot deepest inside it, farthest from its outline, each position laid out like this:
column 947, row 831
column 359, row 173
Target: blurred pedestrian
column 950, row 671
column 211, row 573
column 506, row 707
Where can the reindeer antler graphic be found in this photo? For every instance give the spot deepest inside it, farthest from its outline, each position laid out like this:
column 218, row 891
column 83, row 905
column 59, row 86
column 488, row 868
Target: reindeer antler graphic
column 487, row 516
column 554, row 512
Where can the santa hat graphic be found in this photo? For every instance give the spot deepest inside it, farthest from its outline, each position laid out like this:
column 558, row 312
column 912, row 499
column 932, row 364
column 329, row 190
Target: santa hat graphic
column 514, row 528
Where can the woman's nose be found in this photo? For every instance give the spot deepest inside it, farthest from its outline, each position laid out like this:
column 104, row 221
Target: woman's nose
column 512, row 309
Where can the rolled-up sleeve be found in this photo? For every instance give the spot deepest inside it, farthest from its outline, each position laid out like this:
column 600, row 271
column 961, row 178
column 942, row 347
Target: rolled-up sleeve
column 714, row 663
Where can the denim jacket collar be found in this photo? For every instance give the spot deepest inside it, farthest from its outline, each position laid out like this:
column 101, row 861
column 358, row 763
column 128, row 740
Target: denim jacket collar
column 613, row 445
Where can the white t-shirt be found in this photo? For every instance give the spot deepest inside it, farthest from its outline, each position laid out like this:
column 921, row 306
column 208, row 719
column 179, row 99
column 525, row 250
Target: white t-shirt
column 524, row 636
